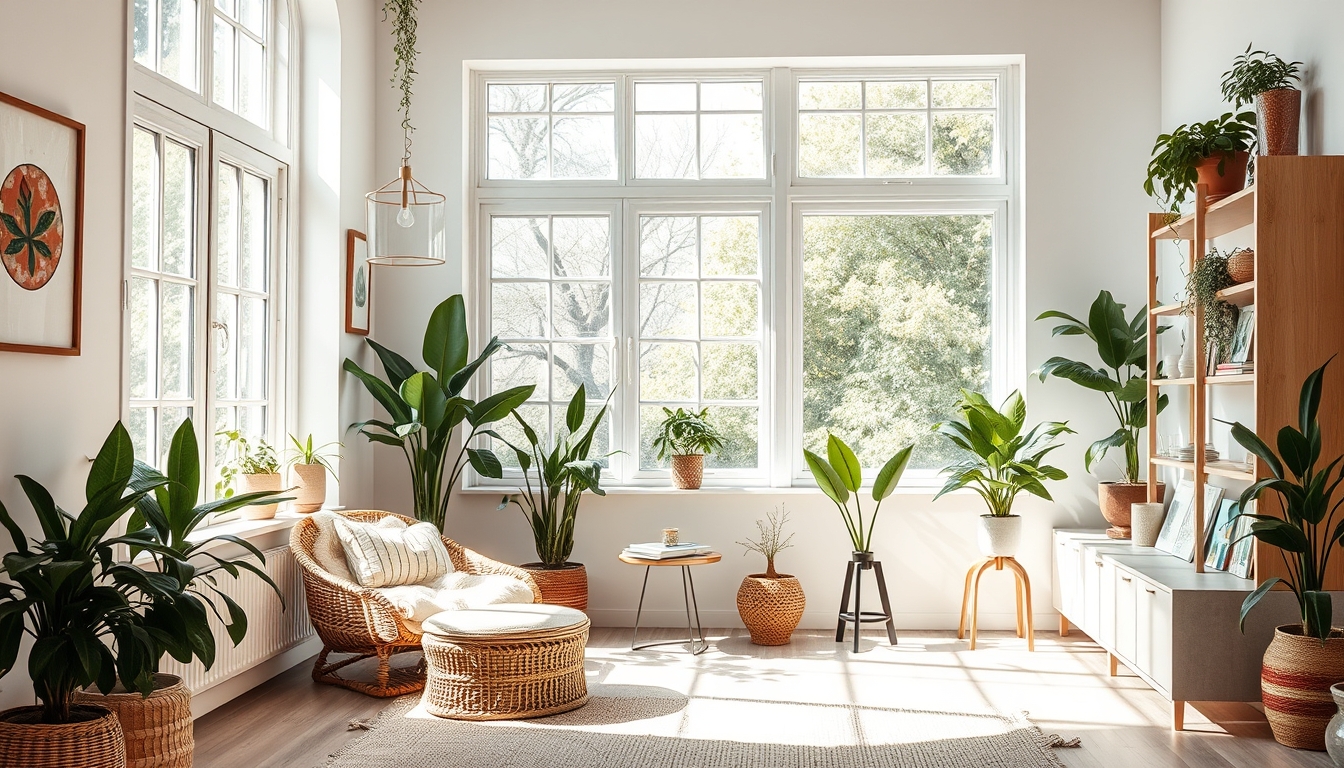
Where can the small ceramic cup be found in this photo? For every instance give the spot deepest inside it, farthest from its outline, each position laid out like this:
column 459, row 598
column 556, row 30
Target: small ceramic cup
column 1146, row 523
column 670, row 537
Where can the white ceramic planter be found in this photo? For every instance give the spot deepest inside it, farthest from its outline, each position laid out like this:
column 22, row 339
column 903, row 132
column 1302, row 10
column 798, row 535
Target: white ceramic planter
column 251, row 483
column 999, row 536
column 310, row 487
column 1145, row 522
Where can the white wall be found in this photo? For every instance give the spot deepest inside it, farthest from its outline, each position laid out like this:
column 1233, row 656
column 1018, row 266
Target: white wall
column 1092, row 108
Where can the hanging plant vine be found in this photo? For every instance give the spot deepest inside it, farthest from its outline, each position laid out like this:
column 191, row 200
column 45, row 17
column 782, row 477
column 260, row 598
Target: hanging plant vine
column 1202, row 285
column 402, row 13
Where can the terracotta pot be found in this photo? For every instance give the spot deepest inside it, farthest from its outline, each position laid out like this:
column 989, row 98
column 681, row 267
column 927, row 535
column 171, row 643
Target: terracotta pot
column 157, row 730
column 1295, row 685
column 567, row 586
column 251, row 483
column 310, row 492
column 92, row 742
column 1115, row 500
column 999, row 536
column 1278, row 114
column 770, row 607
column 688, row 471
column 1230, row 181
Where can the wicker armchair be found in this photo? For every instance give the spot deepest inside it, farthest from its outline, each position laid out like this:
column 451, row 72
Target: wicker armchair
column 352, row 619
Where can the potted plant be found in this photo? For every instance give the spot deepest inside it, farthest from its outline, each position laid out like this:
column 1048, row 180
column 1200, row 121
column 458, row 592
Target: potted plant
column 1303, row 659
column 426, row 407
column 1264, row 79
column 1002, row 462
column 563, row 473
column 1213, row 153
column 253, row 468
column 839, row 475
column 771, row 604
column 687, row 437
column 310, row 467
column 97, row 621
column 1209, row 276
column 1122, row 346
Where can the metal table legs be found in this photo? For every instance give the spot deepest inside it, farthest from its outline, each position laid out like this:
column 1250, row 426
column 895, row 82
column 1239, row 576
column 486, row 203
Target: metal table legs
column 858, row 617
column 688, row 596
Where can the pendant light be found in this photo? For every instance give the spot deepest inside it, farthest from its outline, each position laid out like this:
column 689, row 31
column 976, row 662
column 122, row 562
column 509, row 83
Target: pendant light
column 404, row 218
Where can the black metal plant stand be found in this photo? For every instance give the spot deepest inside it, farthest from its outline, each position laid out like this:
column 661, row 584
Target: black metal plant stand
column 857, row 616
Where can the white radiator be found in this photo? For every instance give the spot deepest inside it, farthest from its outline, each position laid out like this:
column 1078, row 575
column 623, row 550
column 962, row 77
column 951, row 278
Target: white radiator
column 270, row 630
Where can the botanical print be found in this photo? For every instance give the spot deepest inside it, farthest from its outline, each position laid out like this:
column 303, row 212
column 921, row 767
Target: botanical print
column 32, row 230
column 361, row 287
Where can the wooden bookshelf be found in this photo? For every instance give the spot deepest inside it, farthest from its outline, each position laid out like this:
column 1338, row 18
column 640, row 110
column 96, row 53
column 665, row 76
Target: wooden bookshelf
column 1294, row 215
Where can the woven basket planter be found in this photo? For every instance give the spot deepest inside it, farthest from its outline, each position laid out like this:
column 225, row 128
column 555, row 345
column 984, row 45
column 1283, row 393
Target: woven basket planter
column 688, row 471
column 249, row 484
column 566, row 586
column 1295, row 685
column 157, row 729
column 771, row 608
column 93, row 743
column 310, row 487
column 1241, row 266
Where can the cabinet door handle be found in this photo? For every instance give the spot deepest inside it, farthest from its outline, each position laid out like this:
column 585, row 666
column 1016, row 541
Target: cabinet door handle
column 1150, row 591
column 1097, row 563
column 1125, row 578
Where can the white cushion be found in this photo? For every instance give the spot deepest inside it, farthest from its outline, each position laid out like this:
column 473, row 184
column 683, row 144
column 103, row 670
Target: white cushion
column 455, row 591
column 502, row 620
column 384, row 556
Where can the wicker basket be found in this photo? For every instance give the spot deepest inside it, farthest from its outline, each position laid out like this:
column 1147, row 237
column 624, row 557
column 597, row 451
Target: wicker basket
column 1241, row 266
column 566, row 586
column 688, row 471
column 1295, row 685
column 771, row 608
column 157, row 729
column 92, row 743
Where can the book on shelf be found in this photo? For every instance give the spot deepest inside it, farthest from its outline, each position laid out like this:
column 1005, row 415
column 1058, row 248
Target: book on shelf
column 659, row 551
column 1242, row 341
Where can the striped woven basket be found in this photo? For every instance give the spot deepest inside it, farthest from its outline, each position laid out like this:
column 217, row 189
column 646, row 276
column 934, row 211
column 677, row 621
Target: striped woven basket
column 1295, row 685
column 771, row 608
column 157, row 728
column 25, row 742
column 1241, row 265
column 566, row 586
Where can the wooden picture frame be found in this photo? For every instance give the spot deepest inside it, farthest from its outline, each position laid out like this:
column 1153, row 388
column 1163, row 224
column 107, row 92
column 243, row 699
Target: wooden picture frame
column 41, row 230
column 358, row 284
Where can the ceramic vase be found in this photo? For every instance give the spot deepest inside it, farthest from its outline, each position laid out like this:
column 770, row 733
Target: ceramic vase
column 1334, row 732
column 999, row 536
column 1146, row 523
column 263, row 482
column 310, row 491
column 1188, row 359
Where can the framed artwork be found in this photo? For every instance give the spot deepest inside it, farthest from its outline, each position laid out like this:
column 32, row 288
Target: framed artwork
column 1179, row 518
column 41, row 229
column 358, row 283
column 1218, row 546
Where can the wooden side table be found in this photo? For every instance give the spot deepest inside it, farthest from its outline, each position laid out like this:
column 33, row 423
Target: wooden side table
column 1022, row 590
column 687, row 594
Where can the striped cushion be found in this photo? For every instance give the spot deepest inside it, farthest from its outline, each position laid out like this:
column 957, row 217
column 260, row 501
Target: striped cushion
column 381, row 556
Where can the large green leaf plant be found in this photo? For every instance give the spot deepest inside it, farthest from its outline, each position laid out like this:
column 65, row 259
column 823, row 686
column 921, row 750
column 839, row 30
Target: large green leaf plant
column 425, row 409
column 1122, row 346
column 840, row 478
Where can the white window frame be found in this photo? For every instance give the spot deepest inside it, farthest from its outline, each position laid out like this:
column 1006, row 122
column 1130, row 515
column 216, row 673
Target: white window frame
column 784, row 197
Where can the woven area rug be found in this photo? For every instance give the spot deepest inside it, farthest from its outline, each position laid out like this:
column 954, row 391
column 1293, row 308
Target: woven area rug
column 623, row 726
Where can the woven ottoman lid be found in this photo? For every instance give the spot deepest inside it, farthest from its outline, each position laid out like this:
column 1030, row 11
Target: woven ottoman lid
column 506, row 619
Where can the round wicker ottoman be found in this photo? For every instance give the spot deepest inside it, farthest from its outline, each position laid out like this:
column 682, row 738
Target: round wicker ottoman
column 505, row 662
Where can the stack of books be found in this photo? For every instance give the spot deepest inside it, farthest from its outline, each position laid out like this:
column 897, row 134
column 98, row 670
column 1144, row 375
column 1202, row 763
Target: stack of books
column 659, row 551
column 1228, row 369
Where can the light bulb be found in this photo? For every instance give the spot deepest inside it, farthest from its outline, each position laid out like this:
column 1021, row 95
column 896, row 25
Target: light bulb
column 405, row 218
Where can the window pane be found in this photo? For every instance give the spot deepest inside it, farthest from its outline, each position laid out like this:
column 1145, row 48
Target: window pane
column 170, row 418
column 518, row 247
column 664, row 97
column 179, row 209
column 144, row 200
column 829, row 145
column 517, row 98
column 731, row 371
column 280, row 50
column 731, row 96
column 909, row 95
column 141, row 426
column 730, row 246
column 582, row 310
column 254, row 241
column 665, row 147
column 177, row 323
column 225, row 420
column 140, row 41
column 742, row 435
column 226, row 215
column 830, row 96
column 582, row 247
column 177, row 41
column 519, row 365
column 584, row 147
column 225, row 334
column 584, row 97
column 251, row 80
column 252, row 421
column 144, row 330
column 222, row 64
column 731, row 309
column 963, row 143
column 228, row 6
column 667, row 372
column 963, row 93
column 251, row 348
column 731, row 147
column 252, row 14
column 537, row 417
column 517, row 148
column 667, row 310
column 519, row 310
column 896, row 320
column 667, row 246
column 896, row 144
column 586, row 364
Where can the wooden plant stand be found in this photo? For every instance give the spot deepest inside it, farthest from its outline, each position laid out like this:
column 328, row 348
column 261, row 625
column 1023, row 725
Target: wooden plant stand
column 971, row 597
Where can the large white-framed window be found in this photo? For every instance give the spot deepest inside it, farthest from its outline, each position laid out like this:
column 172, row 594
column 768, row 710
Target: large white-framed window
column 854, row 279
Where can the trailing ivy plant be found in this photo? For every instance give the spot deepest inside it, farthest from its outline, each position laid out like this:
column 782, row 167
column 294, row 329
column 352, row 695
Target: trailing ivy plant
column 404, row 23
column 1202, row 285
column 1171, row 171
column 1254, row 72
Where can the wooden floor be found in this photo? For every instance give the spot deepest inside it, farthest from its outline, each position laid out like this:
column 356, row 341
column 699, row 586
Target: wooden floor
column 1064, row 685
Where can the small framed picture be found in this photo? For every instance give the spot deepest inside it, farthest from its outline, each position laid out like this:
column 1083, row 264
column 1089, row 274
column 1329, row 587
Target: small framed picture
column 358, row 283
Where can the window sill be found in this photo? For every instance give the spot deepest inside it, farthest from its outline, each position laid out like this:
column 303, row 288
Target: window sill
column 719, row 490
column 255, row 532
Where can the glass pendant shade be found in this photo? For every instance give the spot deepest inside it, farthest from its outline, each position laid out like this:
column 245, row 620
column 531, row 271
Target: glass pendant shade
column 406, row 224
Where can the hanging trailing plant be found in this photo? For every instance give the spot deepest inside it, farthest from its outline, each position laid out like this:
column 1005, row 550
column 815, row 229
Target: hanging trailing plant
column 1202, row 285
column 402, row 14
